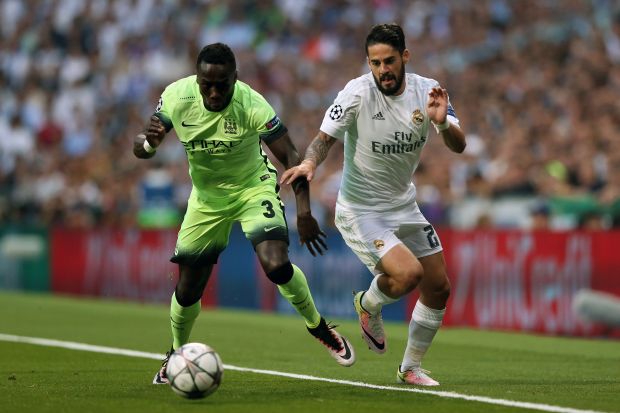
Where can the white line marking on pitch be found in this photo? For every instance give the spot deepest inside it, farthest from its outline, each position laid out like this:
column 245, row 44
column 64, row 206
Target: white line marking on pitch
column 452, row 395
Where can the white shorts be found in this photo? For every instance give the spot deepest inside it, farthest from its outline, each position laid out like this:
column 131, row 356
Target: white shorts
column 370, row 235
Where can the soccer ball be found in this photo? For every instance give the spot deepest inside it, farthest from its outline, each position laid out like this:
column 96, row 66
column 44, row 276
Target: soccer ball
column 194, row 370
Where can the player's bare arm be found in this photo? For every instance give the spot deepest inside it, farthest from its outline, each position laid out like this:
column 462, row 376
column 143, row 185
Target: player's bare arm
column 145, row 144
column 310, row 234
column 315, row 155
column 437, row 110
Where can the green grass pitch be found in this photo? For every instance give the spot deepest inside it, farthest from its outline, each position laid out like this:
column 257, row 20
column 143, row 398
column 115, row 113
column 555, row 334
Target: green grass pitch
column 555, row 374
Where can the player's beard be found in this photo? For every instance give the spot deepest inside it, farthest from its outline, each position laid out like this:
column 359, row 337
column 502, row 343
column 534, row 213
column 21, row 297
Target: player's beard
column 397, row 84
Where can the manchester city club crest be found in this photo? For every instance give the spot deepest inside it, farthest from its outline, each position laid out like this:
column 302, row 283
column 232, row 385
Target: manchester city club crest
column 417, row 117
column 230, row 126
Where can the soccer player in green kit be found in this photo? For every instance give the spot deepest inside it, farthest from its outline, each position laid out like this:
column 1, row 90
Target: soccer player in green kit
column 221, row 122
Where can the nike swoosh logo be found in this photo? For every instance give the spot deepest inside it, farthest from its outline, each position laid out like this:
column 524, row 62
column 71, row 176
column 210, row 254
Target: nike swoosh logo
column 267, row 229
column 347, row 350
column 380, row 346
column 187, row 125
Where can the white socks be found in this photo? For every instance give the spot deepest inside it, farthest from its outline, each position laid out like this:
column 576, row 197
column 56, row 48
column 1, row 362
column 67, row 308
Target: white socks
column 423, row 326
column 424, row 323
column 373, row 299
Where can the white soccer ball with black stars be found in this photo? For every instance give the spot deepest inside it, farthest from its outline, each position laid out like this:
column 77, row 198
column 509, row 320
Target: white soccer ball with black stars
column 194, row 370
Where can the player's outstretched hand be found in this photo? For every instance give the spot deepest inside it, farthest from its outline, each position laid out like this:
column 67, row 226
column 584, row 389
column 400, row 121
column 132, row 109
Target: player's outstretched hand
column 306, row 168
column 310, row 234
column 437, row 106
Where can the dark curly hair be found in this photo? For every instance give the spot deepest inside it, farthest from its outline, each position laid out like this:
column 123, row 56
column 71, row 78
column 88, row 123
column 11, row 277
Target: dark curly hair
column 389, row 33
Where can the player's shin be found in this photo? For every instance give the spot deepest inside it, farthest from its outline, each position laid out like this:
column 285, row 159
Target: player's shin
column 182, row 320
column 423, row 326
column 297, row 292
column 374, row 299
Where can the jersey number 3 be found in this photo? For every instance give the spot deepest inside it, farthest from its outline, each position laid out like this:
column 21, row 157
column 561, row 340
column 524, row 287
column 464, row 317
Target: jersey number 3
column 269, row 207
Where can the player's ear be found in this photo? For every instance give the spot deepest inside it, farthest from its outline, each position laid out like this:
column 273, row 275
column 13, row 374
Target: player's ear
column 406, row 55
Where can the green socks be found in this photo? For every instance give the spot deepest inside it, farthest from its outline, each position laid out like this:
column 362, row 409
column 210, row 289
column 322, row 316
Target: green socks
column 181, row 321
column 297, row 293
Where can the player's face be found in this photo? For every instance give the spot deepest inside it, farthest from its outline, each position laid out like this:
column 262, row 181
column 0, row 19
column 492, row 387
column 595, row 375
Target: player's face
column 217, row 85
column 388, row 68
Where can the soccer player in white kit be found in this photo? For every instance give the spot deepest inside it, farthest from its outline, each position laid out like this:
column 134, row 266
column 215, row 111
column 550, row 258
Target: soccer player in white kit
column 384, row 118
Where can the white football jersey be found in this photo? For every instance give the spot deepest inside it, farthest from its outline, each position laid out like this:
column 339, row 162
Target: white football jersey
column 383, row 138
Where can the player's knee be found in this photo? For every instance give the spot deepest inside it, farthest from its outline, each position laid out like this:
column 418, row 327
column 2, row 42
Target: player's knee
column 436, row 293
column 272, row 255
column 282, row 274
column 186, row 296
column 407, row 279
column 442, row 292
column 413, row 276
column 191, row 284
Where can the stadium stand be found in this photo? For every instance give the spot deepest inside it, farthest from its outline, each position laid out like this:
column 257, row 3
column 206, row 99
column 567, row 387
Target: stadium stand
column 534, row 83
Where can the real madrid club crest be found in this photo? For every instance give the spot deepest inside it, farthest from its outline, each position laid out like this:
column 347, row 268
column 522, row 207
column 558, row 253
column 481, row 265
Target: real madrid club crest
column 417, row 117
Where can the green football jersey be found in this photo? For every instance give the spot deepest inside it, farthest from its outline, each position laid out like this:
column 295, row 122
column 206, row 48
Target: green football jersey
column 223, row 148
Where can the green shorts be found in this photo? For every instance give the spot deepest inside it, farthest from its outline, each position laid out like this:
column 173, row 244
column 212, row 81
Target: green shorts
column 207, row 223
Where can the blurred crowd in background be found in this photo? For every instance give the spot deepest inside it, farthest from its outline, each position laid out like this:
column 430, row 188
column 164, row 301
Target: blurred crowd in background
column 535, row 84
